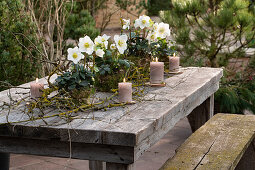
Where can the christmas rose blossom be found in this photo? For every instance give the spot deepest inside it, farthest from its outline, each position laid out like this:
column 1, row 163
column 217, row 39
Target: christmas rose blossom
column 121, row 42
column 86, row 45
column 74, row 54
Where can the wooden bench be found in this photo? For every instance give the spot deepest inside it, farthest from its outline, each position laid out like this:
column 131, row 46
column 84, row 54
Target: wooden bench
column 226, row 141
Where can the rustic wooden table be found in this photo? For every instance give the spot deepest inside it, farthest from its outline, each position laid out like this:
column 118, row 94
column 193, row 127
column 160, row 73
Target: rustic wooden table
column 120, row 135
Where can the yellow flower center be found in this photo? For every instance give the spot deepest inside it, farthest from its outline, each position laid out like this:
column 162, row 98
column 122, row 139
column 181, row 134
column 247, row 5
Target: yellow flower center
column 120, row 43
column 161, row 30
column 75, row 55
column 86, row 45
column 103, row 40
column 143, row 21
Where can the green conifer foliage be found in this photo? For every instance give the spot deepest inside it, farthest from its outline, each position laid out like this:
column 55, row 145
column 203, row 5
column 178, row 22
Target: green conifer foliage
column 211, row 29
column 80, row 23
column 18, row 54
column 209, row 33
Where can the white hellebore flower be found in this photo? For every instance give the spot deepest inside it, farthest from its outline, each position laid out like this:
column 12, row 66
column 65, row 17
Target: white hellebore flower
column 121, row 42
column 105, row 40
column 98, row 40
column 155, row 27
column 100, row 53
column 142, row 22
column 113, row 46
column 163, row 30
column 126, row 23
column 86, row 45
column 74, row 54
column 152, row 36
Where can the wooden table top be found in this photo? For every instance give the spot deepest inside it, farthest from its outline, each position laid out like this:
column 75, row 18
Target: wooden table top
column 137, row 125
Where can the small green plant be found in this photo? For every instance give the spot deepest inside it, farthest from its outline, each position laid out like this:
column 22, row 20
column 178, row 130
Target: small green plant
column 78, row 78
column 110, row 71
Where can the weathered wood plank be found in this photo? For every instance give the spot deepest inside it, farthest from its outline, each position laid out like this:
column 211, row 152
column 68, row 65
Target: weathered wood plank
column 248, row 159
column 55, row 148
column 219, row 144
column 4, row 161
column 117, row 166
column 201, row 114
column 159, row 133
column 97, row 165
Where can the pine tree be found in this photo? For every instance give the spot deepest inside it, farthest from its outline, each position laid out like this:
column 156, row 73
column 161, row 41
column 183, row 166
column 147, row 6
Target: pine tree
column 211, row 30
column 209, row 33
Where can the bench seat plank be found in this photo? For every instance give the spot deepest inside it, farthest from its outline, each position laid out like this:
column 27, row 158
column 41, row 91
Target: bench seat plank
column 219, row 144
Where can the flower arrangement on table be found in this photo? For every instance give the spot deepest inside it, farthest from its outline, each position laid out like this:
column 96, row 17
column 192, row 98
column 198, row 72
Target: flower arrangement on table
column 101, row 65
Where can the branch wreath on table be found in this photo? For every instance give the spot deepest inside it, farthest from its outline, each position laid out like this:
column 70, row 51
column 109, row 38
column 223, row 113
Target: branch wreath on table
column 100, row 66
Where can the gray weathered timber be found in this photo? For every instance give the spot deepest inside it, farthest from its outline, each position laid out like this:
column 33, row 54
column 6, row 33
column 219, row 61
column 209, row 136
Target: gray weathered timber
column 136, row 126
column 55, row 148
column 225, row 142
column 4, row 161
column 201, row 114
column 97, row 165
column 116, row 166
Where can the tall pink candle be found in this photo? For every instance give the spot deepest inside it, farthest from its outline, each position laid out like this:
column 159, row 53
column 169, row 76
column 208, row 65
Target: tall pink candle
column 174, row 63
column 156, row 72
column 125, row 92
column 36, row 89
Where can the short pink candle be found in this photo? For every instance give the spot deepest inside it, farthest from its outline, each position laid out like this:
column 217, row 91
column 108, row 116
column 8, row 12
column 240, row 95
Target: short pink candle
column 156, row 72
column 174, row 63
column 36, row 89
column 125, row 92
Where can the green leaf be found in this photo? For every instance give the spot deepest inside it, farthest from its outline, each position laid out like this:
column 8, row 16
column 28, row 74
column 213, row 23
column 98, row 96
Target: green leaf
column 82, row 74
column 71, row 87
column 96, row 69
column 84, row 83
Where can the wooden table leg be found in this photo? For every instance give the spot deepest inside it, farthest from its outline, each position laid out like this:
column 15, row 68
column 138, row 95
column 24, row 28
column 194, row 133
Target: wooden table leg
column 117, row 166
column 97, row 165
column 201, row 114
column 4, row 161
column 248, row 159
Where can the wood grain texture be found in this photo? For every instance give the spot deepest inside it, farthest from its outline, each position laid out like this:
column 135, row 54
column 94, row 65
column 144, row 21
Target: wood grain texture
column 4, row 161
column 116, row 166
column 97, row 165
column 219, row 144
column 55, row 148
column 137, row 126
column 201, row 114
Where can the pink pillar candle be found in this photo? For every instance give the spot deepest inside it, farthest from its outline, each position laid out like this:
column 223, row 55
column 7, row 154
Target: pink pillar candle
column 36, row 89
column 156, row 72
column 174, row 64
column 125, row 92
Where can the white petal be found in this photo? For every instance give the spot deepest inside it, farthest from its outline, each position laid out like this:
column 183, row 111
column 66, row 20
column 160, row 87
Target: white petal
column 116, row 38
column 137, row 23
column 124, row 37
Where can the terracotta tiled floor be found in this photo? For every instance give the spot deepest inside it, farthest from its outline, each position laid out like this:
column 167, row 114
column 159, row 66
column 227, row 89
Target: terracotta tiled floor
column 151, row 160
